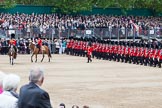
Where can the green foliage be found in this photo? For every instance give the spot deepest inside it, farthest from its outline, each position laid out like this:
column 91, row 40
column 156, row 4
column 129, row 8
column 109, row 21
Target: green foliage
column 73, row 6
column 8, row 3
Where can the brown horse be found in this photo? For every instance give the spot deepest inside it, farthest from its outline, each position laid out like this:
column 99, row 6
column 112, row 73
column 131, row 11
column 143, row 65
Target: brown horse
column 12, row 54
column 35, row 51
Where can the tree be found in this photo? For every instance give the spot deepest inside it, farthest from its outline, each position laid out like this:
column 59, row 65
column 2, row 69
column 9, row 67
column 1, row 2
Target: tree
column 73, row 5
column 68, row 6
column 8, row 3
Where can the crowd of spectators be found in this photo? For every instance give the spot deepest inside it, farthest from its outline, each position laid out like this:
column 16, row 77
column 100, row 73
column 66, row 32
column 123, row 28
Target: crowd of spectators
column 34, row 24
column 40, row 98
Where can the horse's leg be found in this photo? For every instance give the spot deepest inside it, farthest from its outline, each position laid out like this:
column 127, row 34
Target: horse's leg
column 49, row 56
column 12, row 60
column 35, row 58
column 43, row 56
column 48, row 59
column 32, row 57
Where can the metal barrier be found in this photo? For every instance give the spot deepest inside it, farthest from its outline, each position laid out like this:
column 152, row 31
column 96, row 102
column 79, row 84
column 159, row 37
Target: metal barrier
column 109, row 33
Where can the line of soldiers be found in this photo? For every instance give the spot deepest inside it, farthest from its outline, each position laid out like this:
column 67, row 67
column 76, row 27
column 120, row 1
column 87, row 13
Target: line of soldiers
column 147, row 54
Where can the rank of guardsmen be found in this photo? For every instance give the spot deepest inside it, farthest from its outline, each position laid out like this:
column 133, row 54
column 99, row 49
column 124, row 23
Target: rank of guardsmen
column 140, row 53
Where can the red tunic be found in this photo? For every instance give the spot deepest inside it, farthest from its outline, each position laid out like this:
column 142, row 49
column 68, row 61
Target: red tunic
column 95, row 46
column 69, row 44
column 125, row 50
column 141, row 53
column 13, row 42
column 132, row 51
column 39, row 42
column 145, row 53
column 159, row 54
column 151, row 53
column 89, row 50
column 129, row 51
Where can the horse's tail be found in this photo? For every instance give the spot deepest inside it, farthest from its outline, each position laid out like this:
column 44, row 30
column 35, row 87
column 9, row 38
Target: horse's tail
column 49, row 53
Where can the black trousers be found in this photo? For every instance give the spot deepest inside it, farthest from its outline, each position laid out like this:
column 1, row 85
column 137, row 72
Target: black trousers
column 126, row 58
column 146, row 61
column 89, row 58
column 159, row 63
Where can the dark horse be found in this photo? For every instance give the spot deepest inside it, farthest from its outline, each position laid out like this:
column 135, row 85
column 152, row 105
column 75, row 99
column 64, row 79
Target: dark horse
column 35, row 51
column 12, row 54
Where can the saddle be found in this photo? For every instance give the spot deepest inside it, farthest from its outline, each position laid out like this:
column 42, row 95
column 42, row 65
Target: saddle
column 42, row 48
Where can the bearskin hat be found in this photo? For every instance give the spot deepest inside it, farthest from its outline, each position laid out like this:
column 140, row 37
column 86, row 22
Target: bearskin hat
column 12, row 36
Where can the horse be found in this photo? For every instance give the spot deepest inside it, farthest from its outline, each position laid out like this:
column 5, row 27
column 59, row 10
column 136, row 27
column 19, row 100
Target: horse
column 12, row 54
column 35, row 51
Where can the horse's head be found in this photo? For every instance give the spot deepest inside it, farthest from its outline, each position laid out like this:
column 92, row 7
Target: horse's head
column 11, row 51
column 31, row 45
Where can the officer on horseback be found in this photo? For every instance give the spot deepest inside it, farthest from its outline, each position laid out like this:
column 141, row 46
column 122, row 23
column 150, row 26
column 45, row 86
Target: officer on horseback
column 39, row 43
column 12, row 42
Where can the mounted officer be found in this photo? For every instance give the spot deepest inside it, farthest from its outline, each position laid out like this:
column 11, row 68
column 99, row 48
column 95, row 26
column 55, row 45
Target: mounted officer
column 12, row 42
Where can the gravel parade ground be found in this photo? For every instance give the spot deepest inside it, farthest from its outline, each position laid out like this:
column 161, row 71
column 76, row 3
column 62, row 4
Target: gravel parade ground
column 100, row 84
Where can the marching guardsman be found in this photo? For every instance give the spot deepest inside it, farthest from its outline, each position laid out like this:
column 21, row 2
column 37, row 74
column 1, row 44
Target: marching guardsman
column 137, row 54
column 151, row 51
column 84, row 48
column 126, row 53
column 68, row 47
column 118, row 52
column 75, row 47
column 103, row 52
column 71, row 47
column 146, row 55
column 106, row 51
column 100, row 50
column 110, row 52
column 155, row 61
column 79, row 48
column 122, row 52
column 159, row 57
column 141, row 53
column 97, row 50
column 134, row 54
column 129, row 53
column 13, row 42
column 94, row 45
column 115, row 51
column 89, row 53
